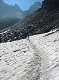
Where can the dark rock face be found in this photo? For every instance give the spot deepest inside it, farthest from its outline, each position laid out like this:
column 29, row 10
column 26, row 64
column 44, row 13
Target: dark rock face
column 51, row 4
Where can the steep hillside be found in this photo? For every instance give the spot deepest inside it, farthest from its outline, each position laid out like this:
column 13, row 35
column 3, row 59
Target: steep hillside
column 42, row 21
column 45, row 19
column 51, row 4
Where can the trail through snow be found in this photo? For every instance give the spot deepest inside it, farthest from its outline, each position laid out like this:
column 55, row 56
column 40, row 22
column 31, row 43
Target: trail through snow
column 33, row 59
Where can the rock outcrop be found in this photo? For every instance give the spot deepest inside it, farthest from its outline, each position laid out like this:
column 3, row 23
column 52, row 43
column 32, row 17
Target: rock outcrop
column 51, row 4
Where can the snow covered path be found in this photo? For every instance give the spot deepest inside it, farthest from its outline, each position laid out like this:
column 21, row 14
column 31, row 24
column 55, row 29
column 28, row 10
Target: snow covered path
column 50, row 45
column 18, row 62
column 33, row 59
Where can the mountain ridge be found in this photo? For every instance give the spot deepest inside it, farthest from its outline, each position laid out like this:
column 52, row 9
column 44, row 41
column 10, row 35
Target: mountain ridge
column 33, row 8
column 10, row 11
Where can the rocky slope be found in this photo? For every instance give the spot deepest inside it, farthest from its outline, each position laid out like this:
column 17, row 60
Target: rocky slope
column 35, row 24
column 42, row 21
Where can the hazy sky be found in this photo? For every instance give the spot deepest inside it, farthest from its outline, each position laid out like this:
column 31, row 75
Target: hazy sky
column 24, row 4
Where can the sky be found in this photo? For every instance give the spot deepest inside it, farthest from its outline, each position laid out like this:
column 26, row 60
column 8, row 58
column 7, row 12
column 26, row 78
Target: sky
column 23, row 4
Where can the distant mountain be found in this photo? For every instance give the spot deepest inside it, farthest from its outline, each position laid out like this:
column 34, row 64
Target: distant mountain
column 7, row 11
column 9, row 15
column 34, row 8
